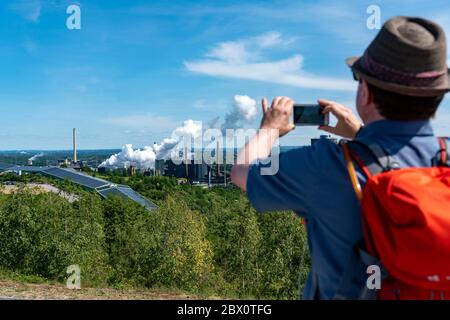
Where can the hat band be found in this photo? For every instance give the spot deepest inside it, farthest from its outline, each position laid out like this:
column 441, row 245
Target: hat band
column 388, row 74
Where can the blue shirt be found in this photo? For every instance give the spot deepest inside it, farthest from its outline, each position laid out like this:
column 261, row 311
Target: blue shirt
column 313, row 181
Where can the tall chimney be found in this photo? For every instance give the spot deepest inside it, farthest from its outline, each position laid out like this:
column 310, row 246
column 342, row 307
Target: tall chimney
column 217, row 159
column 186, row 162
column 74, row 145
column 225, row 169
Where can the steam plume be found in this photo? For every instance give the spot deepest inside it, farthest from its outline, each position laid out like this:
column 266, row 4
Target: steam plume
column 244, row 111
column 39, row 155
column 145, row 158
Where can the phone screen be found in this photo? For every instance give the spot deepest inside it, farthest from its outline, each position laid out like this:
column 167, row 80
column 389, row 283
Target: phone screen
column 308, row 115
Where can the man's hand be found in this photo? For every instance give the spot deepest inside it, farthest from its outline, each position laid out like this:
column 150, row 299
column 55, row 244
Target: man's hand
column 278, row 115
column 274, row 124
column 347, row 123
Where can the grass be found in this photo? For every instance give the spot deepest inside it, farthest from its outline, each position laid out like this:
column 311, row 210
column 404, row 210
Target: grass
column 22, row 286
column 24, row 278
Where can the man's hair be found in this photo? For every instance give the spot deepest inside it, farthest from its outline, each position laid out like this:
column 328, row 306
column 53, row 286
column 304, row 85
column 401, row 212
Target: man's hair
column 395, row 106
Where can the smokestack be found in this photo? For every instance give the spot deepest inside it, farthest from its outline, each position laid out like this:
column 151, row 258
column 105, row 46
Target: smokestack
column 209, row 176
column 217, row 159
column 186, row 162
column 74, row 145
column 225, row 169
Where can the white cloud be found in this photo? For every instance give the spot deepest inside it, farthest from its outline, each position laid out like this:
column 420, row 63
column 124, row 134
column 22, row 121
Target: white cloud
column 272, row 39
column 245, row 50
column 231, row 52
column 343, row 19
column 246, row 106
column 243, row 59
column 29, row 9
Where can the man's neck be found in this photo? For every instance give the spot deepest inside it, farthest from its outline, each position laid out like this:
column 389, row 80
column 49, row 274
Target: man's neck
column 373, row 118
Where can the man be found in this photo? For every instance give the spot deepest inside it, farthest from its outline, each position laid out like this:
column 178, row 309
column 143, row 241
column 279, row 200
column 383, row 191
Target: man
column 402, row 77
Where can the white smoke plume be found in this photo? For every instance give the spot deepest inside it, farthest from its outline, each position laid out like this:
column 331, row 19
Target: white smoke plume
column 244, row 111
column 141, row 159
column 163, row 150
column 190, row 128
column 145, row 158
column 39, row 155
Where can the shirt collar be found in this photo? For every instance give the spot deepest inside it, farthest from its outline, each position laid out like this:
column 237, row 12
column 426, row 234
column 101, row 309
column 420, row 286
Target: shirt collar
column 396, row 128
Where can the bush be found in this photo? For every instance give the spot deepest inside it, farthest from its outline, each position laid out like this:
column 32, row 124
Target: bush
column 165, row 247
column 129, row 238
column 185, row 255
column 44, row 234
column 201, row 240
column 234, row 232
column 283, row 255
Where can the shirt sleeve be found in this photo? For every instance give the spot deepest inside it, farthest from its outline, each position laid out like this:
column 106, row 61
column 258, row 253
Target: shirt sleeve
column 290, row 188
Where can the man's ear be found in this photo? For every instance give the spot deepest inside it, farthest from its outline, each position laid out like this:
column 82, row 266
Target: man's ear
column 367, row 95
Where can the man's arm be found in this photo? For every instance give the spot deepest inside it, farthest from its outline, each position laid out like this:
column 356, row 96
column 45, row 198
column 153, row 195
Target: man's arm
column 275, row 124
column 258, row 147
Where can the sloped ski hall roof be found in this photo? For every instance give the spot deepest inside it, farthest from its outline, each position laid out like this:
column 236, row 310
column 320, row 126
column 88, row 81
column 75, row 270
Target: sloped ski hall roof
column 102, row 187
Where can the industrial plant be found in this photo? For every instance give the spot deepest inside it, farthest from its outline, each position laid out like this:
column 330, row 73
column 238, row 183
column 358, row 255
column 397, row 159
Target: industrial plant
column 187, row 172
column 196, row 173
column 323, row 137
column 103, row 187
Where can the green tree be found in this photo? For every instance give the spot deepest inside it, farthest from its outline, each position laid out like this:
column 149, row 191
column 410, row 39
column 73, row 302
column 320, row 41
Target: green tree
column 43, row 234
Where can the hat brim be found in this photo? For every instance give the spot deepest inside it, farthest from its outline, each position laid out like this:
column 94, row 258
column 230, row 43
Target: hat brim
column 398, row 88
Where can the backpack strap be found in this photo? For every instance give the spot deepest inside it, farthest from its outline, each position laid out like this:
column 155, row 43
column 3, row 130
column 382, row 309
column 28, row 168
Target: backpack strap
column 442, row 158
column 351, row 169
column 372, row 159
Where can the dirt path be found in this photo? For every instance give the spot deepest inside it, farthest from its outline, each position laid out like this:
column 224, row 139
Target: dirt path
column 17, row 290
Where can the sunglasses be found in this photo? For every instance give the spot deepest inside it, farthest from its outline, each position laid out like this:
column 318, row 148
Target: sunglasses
column 356, row 77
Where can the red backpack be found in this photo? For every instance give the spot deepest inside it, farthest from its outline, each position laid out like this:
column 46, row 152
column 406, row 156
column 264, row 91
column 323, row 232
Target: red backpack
column 406, row 220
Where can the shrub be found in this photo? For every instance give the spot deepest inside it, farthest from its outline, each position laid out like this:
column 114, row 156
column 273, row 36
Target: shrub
column 43, row 234
column 283, row 255
column 185, row 255
column 201, row 240
column 129, row 238
column 165, row 247
column 234, row 232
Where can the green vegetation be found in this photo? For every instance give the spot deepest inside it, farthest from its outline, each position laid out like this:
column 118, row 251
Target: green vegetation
column 204, row 241
column 43, row 234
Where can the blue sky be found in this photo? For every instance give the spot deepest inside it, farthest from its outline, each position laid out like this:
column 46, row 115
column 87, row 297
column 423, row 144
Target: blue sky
column 137, row 69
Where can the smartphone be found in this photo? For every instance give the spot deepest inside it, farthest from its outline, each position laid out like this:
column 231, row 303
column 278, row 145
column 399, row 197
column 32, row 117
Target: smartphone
column 309, row 115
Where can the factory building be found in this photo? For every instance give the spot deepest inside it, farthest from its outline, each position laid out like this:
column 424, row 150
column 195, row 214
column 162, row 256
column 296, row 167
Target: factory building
column 160, row 167
column 190, row 171
column 323, row 137
column 174, row 170
column 197, row 172
column 74, row 140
